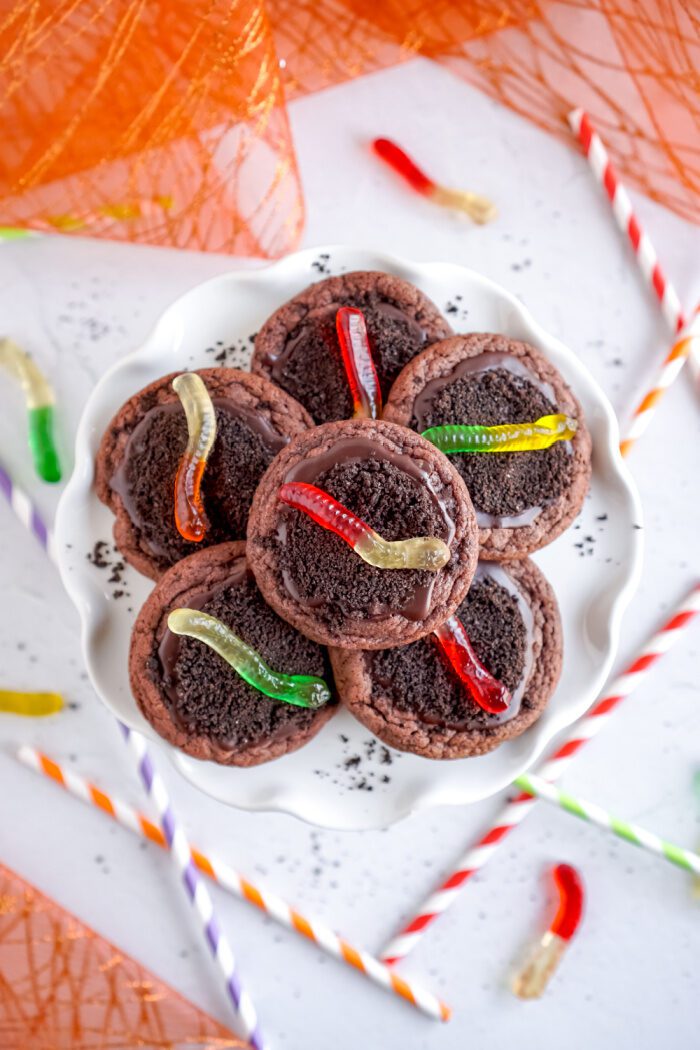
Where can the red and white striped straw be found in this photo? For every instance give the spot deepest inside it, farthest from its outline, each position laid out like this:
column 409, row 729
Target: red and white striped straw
column 628, row 222
column 516, row 809
column 648, row 262
column 235, row 883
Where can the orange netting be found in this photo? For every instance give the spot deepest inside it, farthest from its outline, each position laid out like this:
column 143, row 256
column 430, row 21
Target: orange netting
column 163, row 120
column 63, row 987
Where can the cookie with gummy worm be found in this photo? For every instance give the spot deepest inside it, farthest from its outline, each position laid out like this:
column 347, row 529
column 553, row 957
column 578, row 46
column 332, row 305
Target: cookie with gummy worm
column 513, row 429
column 423, row 697
column 298, row 347
column 180, row 461
column 362, row 534
column 218, row 673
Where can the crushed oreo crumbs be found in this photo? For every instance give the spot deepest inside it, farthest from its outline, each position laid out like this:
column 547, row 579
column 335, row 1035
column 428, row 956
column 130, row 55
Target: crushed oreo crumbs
column 103, row 556
column 358, row 769
column 232, row 355
column 320, row 265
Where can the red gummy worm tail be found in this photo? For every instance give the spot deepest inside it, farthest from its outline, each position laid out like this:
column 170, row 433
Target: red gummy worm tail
column 570, row 887
column 484, row 689
column 358, row 362
column 324, row 510
column 395, row 157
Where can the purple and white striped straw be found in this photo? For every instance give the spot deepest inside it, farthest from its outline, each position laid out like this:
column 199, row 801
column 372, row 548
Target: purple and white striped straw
column 196, row 890
column 176, row 838
column 27, row 513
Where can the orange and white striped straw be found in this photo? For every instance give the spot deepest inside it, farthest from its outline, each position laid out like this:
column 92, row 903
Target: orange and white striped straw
column 688, row 344
column 684, row 349
column 230, row 879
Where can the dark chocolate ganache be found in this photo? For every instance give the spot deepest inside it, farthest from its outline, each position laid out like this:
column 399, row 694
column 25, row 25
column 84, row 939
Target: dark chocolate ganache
column 310, row 366
column 508, row 489
column 246, row 443
column 390, row 492
column 207, row 697
column 418, row 679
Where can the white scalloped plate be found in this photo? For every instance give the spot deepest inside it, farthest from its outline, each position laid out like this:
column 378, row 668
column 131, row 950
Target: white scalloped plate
column 315, row 783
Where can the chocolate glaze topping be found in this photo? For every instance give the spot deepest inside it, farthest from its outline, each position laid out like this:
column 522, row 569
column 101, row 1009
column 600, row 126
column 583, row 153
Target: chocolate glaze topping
column 508, row 489
column 393, row 494
column 418, row 679
column 205, row 695
column 246, row 444
column 310, row 366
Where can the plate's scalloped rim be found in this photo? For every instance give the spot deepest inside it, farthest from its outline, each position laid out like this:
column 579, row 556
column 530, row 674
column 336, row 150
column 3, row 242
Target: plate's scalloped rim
column 93, row 609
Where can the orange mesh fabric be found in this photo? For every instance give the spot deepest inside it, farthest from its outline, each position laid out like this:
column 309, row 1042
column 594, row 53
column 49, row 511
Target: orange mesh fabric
column 148, row 120
column 634, row 65
column 163, row 120
column 63, row 987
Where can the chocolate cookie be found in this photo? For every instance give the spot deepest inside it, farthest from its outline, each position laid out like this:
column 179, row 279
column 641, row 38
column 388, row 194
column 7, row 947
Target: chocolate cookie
column 141, row 449
column 523, row 500
column 411, row 697
column 402, row 487
column 191, row 696
column 297, row 347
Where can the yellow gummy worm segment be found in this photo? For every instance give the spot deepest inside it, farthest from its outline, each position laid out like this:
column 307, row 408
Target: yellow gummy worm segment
column 37, row 390
column 32, row 705
column 506, row 437
column 420, row 552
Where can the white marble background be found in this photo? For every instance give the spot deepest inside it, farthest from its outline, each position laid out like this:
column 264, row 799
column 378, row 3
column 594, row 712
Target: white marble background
column 630, row 979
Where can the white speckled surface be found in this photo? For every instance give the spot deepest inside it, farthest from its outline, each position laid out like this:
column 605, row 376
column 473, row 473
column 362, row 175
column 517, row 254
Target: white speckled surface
column 632, row 970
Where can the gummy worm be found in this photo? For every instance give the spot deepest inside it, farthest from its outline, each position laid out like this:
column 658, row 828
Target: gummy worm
column 479, row 209
column 104, row 215
column 40, row 400
column 421, row 552
column 507, row 437
column 302, row 690
column 190, row 518
column 485, row 690
column 359, row 366
column 32, row 705
column 532, row 980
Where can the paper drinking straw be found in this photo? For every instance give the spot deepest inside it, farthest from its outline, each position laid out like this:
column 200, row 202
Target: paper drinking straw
column 648, row 263
column 320, row 934
column 15, row 233
column 686, row 347
column 230, row 879
column 173, row 832
column 196, row 890
column 647, row 259
column 595, row 814
column 26, row 511
column 515, row 810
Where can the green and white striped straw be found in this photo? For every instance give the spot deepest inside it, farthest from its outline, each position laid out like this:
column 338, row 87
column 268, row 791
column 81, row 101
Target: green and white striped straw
column 16, row 233
column 594, row 814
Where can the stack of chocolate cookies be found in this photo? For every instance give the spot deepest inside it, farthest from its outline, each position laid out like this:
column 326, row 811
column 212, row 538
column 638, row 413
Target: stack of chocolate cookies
column 311, row 552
